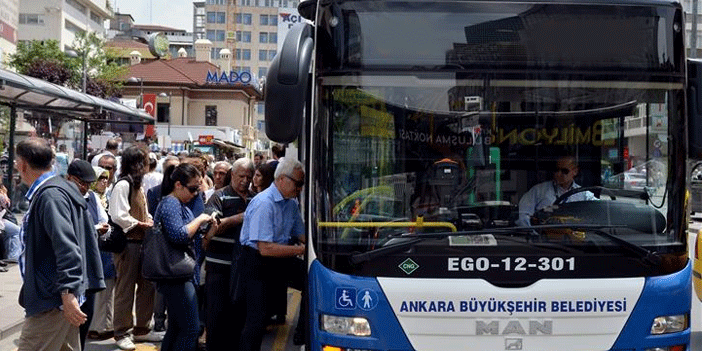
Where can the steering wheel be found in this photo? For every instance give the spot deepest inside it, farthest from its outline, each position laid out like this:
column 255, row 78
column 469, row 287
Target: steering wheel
column 596, row 190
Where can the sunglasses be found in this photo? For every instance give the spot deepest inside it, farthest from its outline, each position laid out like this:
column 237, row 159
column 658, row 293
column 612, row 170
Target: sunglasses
column 298, row 183
column 565, row 171
column 81, row 182
column 193, row 189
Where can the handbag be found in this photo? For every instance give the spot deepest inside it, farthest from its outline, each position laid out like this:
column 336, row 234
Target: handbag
column 114, row 240
column 163, row 260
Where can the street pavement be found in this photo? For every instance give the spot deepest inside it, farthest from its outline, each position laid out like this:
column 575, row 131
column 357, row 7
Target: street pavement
column 278, row 338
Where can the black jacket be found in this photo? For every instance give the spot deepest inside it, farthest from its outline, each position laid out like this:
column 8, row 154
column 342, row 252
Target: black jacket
column 61, row 250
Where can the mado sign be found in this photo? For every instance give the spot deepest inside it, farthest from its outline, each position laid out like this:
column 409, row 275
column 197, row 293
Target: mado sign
column 231, row 78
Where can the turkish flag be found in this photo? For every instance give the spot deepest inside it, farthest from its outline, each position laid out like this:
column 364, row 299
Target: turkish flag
column 149, row 101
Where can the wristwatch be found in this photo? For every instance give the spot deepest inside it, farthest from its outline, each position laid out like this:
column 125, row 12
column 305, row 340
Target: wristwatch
column 65, row 292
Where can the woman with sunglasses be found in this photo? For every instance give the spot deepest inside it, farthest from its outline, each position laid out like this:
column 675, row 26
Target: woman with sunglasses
column 180, row 227
column 545, row 194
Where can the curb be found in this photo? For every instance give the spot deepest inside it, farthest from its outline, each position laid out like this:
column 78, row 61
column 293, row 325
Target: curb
column 11, row 329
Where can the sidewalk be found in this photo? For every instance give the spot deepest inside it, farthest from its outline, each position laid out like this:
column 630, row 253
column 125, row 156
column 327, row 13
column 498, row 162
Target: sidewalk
column 11, row 313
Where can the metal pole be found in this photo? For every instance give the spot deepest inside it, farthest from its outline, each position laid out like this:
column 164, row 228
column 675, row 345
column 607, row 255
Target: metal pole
column 169, row 114
column 693, row 31
column 85, row 73
column 11, row 152
column 85, row 140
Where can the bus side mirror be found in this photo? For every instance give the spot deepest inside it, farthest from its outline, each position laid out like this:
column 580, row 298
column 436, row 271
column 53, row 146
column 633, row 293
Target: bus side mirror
column 694, row 109
column 286, row 88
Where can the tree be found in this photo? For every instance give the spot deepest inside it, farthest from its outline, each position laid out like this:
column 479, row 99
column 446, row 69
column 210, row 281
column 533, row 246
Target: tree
column 30, row 51
column 101, row 68
column 45, row 60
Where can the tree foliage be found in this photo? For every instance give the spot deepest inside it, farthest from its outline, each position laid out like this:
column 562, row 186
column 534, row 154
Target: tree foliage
column 45, row 60
column 45, row 50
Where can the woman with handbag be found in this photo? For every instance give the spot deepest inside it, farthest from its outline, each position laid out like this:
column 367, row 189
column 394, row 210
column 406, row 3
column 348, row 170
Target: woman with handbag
column 179, row 227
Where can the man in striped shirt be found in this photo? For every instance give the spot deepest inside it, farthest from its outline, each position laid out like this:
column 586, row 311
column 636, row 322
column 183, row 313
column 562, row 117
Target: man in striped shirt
column 231, row 201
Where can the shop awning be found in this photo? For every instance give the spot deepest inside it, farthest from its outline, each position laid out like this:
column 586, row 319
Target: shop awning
column 32, row 94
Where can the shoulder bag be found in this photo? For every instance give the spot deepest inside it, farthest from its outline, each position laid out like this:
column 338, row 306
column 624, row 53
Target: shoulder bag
column 115, row 240
column 163, row 260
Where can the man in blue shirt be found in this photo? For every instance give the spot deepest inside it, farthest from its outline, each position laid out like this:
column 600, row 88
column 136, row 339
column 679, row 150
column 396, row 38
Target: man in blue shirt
column 545, row 194
column 60, row 261
column 271, row 222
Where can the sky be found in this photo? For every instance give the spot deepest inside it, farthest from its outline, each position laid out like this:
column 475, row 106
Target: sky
column 171, row 13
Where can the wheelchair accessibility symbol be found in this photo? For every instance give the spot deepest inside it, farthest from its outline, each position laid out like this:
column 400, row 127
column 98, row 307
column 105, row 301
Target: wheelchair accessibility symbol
column 345, row 298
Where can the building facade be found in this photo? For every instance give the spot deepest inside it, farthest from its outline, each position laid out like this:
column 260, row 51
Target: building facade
column 9, row 20
column 249, row 30
column 185, row 96
column 61, row 19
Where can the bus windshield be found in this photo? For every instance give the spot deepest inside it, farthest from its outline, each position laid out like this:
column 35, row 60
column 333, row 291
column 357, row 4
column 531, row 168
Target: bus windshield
column 433, row 154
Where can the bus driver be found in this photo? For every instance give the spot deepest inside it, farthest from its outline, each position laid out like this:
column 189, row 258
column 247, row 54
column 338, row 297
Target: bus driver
column 545, row 194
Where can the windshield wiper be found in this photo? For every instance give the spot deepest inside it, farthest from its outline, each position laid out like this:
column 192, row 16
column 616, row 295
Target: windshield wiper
column 646, row 255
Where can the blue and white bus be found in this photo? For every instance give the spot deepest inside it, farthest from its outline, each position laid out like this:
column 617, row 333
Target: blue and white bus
column 423, row 123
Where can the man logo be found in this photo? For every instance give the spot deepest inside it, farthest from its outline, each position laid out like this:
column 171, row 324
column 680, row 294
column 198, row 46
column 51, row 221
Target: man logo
column 514, row 327
column 513, row 344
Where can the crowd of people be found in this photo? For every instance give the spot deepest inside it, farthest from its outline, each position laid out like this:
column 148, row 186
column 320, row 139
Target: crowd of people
column 240, row 221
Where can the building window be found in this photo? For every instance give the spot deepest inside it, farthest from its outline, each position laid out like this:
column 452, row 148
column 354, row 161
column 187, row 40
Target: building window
column 220, row 35
column 211, row 35
column 263, row 20
column 243, row 18
column 271, row 55
column 260, row 108
column 95, row 18
column 263, row 37
column 216, row 2
column 216, row 17
column 214, row 53
column 72, row 27
column 243, row 54
column 262, row 72
column 162, row 112
column 30, row 18
column 273, row 38
column 243, row 36
column 263, row 55
column 273, row 20
column 76, row 5
column 210, row 115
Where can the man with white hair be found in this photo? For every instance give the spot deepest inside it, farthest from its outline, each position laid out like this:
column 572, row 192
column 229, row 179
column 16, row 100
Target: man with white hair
column 271, row 223
column 231, row 201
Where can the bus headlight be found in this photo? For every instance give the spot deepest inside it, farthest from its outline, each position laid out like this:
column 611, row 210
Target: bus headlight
column 669, row 324
column 356, row 326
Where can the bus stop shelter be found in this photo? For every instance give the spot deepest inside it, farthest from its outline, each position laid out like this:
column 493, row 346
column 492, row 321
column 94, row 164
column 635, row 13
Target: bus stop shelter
column 24, row 93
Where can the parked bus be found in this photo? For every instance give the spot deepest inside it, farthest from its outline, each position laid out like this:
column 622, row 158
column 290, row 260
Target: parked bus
column 423, row 123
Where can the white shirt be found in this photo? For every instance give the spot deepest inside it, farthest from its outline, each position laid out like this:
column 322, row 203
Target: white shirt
column 545, row 194
column 151, row 180
column 119, row 206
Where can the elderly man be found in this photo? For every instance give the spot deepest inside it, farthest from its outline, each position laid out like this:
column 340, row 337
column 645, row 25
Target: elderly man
column 82, row 174
column 271, row 222
column 61, row 261
column 231, row 201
